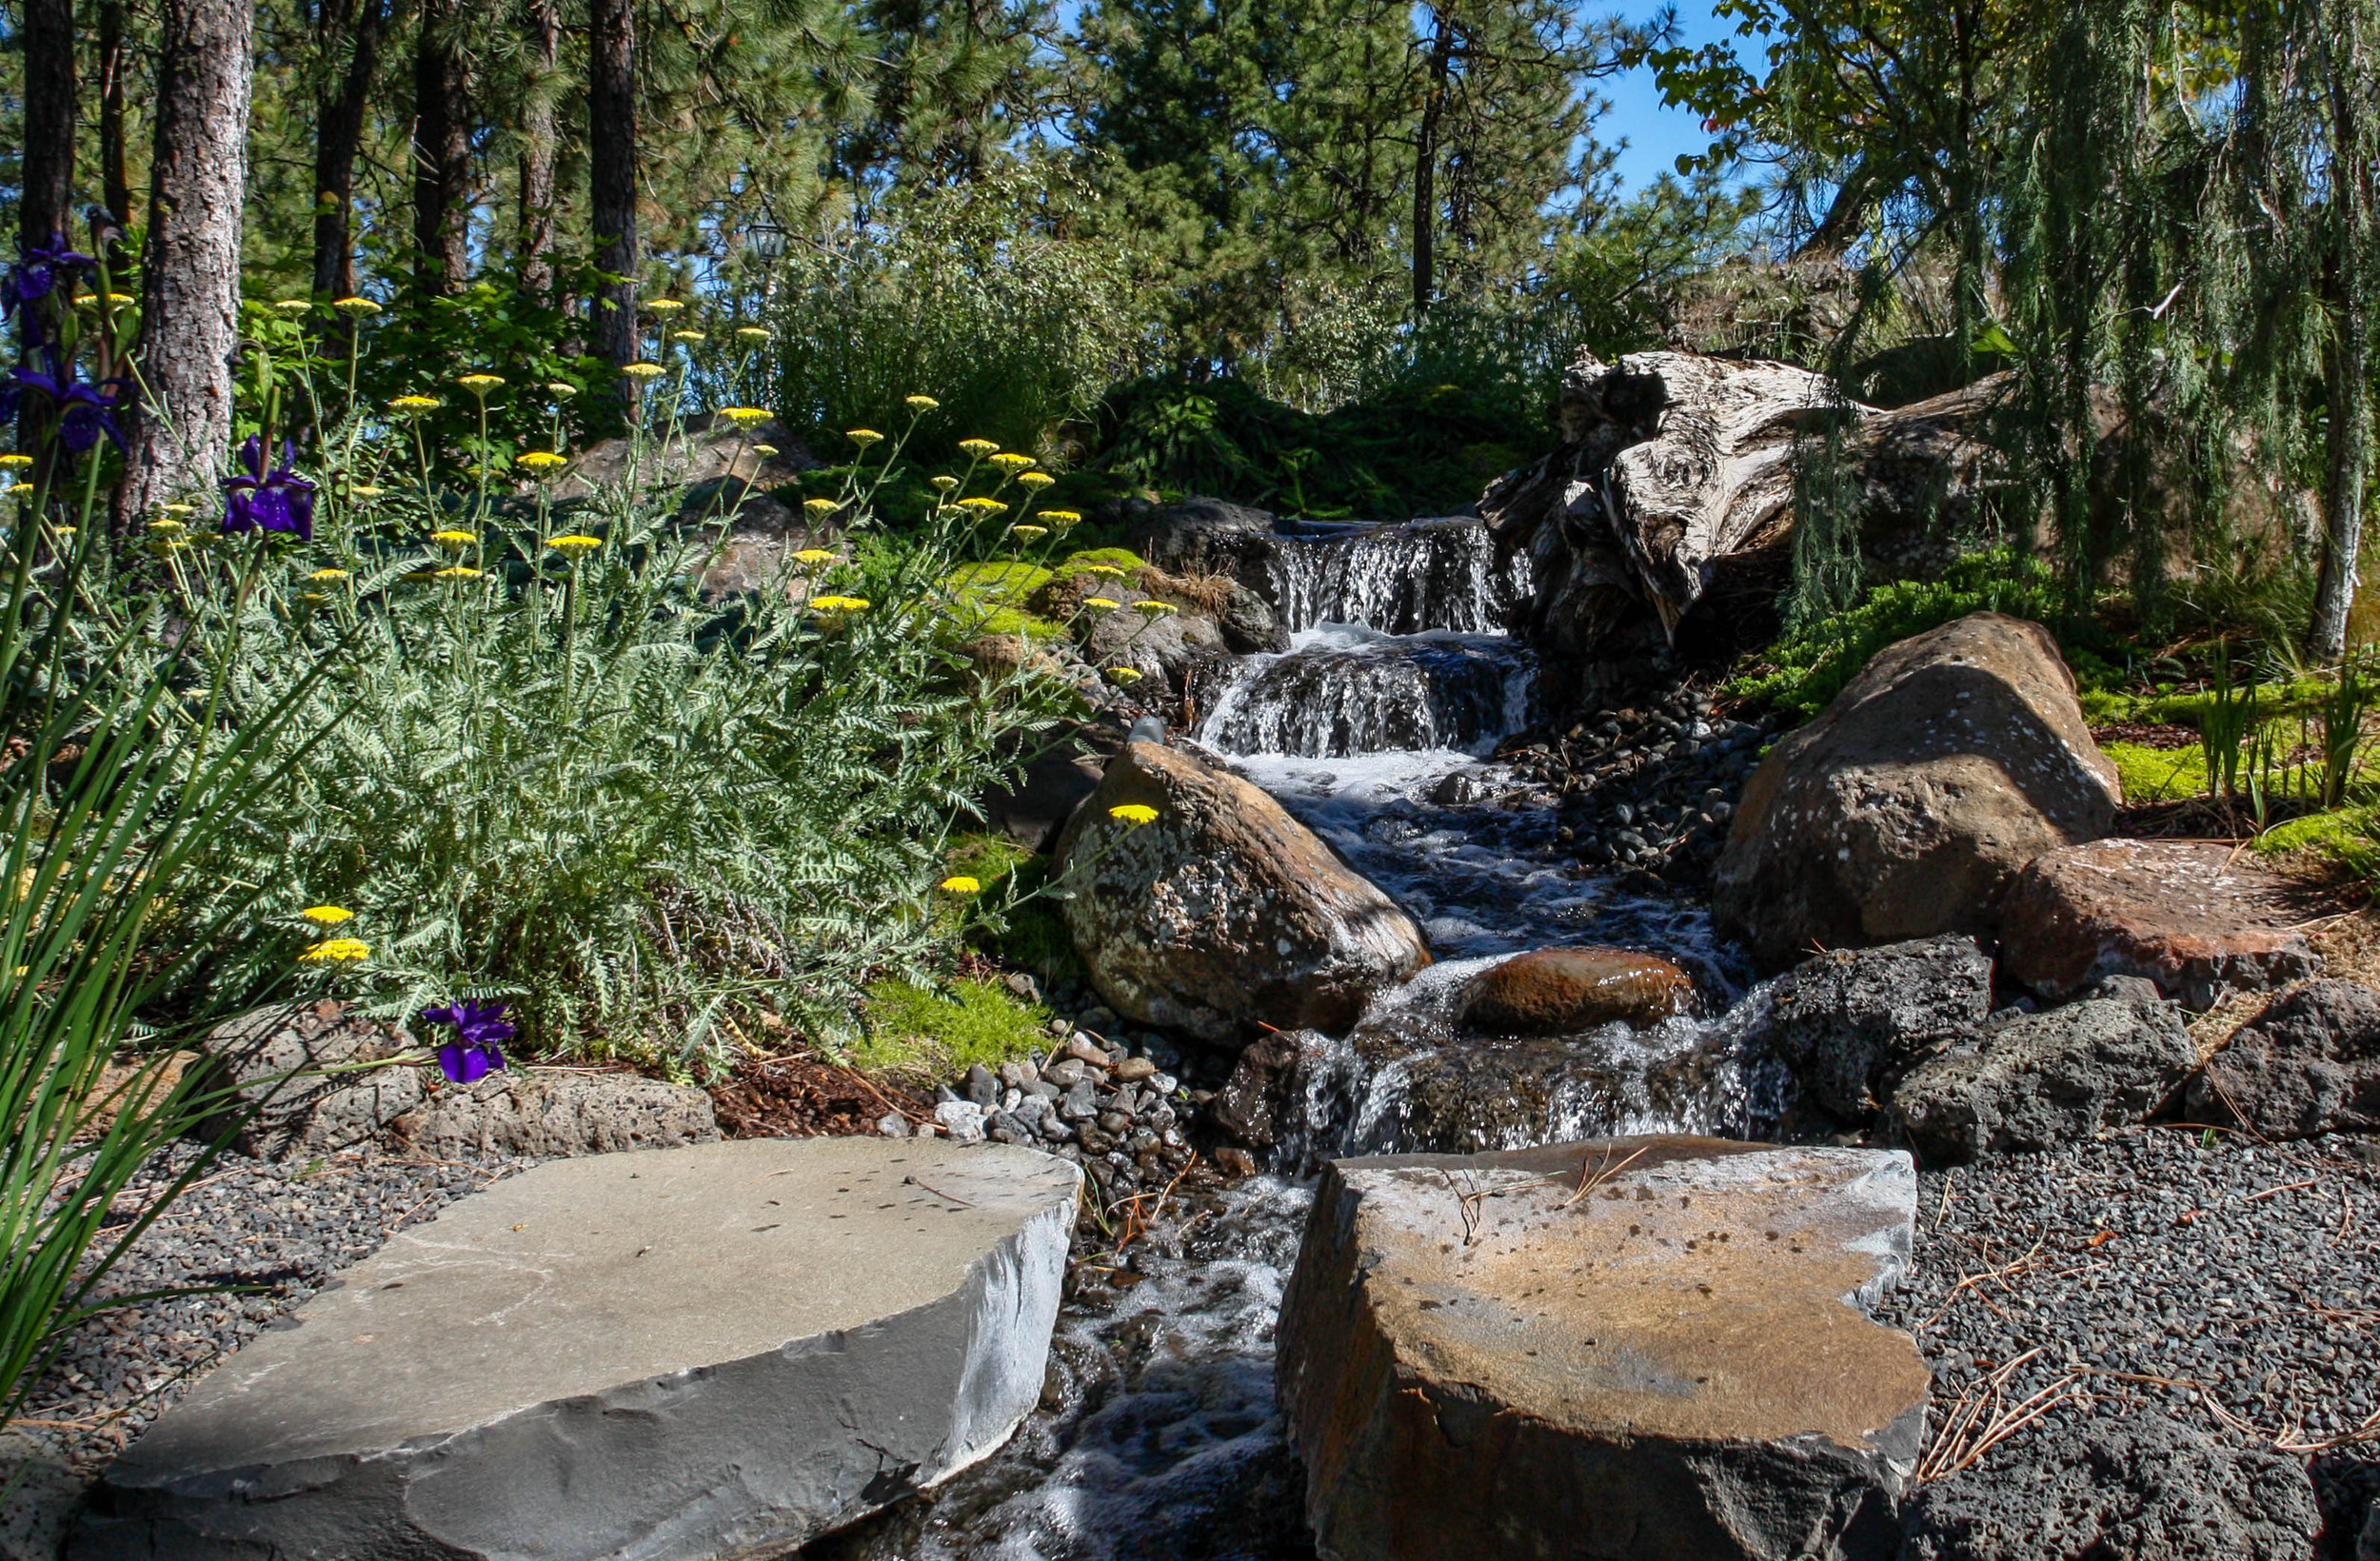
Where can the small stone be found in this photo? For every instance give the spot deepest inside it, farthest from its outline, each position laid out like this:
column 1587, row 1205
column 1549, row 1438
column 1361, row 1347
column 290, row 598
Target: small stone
column 893, row 1125
column 1065, row 1073
column 1164, row 1084
column 1080, row 1101
column 1134, row 1068
column 1233, row 1161
column 962, row 1119
column 1114, row 1122
column 1081, row 1050
column 1101, row 1019
column 983, row 1088
column 1094, row 1139
column 1041, row 1089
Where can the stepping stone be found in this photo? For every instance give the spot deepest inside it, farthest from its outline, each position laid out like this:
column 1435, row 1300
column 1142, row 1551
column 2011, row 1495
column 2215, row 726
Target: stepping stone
column 1480, row 1359
column 684, row 1353
column 2198, row 918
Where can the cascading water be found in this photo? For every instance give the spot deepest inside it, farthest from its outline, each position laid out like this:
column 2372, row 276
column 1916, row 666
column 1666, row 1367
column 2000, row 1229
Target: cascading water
column 1440, row 574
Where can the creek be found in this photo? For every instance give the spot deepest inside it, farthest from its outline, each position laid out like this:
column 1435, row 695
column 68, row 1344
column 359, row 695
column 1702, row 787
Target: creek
column 1378, row 729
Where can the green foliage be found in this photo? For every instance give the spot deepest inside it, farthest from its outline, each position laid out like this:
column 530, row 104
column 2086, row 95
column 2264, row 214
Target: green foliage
column 1810, row 664
column 2158, row 775
column 941, row 1032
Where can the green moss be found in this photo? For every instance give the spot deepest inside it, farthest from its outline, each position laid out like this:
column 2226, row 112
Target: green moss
column 1016, row 621
column 911, row 1029
column 1028, row 933
column 2158, row 775
column 1114, row 558
column 997, row 583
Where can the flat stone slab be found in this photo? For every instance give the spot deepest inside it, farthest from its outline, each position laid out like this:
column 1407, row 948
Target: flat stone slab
column 1479, row 1359
column 681, row 1352
column 2197, row 918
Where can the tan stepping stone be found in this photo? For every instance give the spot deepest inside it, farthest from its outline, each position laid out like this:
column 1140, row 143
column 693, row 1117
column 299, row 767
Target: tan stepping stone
column 699, row 1352
column 1645, row 1348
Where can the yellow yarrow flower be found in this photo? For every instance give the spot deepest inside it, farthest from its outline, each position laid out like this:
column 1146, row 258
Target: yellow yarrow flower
column 1035, row 480
column 641, row 370
column 576, row 542
column 743, row 415
column 1028, row 532
column 816, row 555
column 364, row 490
column 1123, row 673
column 338, row 949
column 327, row 915
column 327, row 574
column 408, row 406
column 164, row 523
column 479, row 384
column 561, row 392
column 184, row 511
column 1011, row 462
column 665, row 305
column 13, row 459
column 287, row 305
column 689, row 337
column 920, row 403
column 960, row 884
column 864, row 437
column 1155, row 609
column 121, row 299
column 459, row 572
column 454, row 539
column 542, row 460
column 1061, row 519
column 1100, row 603
column 355, row 308
column 945, row 482
column 821, row 506
column 980, row 503
column 752, row 333
column 978, row 448
column 763, row 452
column 1135, row 813
column 1101, row 569
column 840, row 604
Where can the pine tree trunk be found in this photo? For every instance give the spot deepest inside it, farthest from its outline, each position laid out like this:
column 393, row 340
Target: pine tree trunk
column 190, row 283
column 2345, row 383
column 539, row 139
column 338, row 136
column 441, row 155
column 1425, row 167
column 612, row 148
column 46, row 206
column 115, row 183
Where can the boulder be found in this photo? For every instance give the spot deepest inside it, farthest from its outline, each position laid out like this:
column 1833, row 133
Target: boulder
column 687, row 1352
column 702, row 450
column 2368, row 1547
column 2309, row 1063
column 1850, row 1023
column 2039, row 1080
column 540, row 1113
column 1201, row 536
column 2187, row 915
column 1562, row 992
column 39, row 1495
column 1034, row 810
column 272, row 1066
column 1911, row 803
column 1643, row 1348
column 2142, row 1487
column 1163, row 649
column 1224, row 913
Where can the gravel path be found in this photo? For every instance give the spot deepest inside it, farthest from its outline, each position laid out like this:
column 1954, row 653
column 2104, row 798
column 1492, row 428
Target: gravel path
column 2234, row 1285
column 276, row 1230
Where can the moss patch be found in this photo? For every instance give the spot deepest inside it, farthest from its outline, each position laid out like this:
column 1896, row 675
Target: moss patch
column 999, row 582
column 947, row 1031
column 2344, row 836
column 2158, row 775
column 1111, row 558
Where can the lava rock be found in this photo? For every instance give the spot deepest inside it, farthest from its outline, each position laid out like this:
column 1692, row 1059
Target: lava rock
column 1851, row 1023
column 1224, row 913
column 2044, row 1080
column 1559, row 992
column 1909, row 804
column 2187, row 914
column 533, row 1112
column 270, row 1066
column 1037, row 807
column 42, row 1491
column 691, row 1353
column 1200, row 535
column 2143, row 1488
column 1477, row 1358
column 2309, row 1063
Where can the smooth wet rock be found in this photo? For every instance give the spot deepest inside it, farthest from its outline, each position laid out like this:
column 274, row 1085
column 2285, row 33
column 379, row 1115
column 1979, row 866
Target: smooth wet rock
column 1476, row 1359
column 2309, row 1063
column 701, row 450
column 1851, row 1023
column 2039, row 1080
column 281, row 1063
column 693, row 1353
column 2140, row 1486
column 1036, row 808
column 1908, row 807
column 1202, row 536
column 1560, row 992
column 1224, row 913
column 2199, row 919
column 539, row 1113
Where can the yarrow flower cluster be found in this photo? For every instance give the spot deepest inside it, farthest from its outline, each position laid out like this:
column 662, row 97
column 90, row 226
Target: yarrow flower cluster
column 960, row 884
column 338, row 950
column 1135, row 813
column 476, row 1050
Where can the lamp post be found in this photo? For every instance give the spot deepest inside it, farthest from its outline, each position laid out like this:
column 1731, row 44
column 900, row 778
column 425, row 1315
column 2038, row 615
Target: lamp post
column 766, row 241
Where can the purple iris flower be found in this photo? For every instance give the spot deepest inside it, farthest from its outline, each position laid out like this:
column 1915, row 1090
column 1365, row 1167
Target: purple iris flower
column 43, row 268
column 84, row 411
column 477, row 1049
column 276, row 501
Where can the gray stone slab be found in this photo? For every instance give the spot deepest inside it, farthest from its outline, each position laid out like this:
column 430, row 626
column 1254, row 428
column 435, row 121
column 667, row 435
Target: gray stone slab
column 697, row 1352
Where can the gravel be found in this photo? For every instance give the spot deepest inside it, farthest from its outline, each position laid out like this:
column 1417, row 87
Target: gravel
column 274, row 1231
column 2233, row 1285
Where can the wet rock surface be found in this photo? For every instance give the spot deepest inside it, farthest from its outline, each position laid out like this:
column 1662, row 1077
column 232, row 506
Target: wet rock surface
column 2308, row 1063
column 1909, row 804
column 1648, row 1347
column 1552, row 992
column 2038, row 1080
column 2191, row 915
column 1222, row 911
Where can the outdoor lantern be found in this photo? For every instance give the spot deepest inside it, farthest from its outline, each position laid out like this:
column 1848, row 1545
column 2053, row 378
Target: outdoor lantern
column 765, row 240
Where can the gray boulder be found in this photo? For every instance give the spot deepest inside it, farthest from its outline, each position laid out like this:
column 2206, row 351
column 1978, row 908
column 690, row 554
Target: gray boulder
column 1851, row 1023
column 2142, row 1488
column 2368, row 1547
column 39, row 1495
column 2039, row 1080
column 1200, row 535
column 273, row 1069
column 540, row 1114
column 687, row 1354
column 2309, row 1063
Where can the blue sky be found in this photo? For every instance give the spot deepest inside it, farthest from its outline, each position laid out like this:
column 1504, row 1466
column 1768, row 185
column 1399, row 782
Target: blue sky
column 1656, row 135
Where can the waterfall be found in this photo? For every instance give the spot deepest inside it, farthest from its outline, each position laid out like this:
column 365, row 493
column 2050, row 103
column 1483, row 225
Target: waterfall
column 1341, row 690
column 1436, row 574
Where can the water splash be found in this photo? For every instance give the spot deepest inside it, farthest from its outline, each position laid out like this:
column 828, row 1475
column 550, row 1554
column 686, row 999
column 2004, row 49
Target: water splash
column 1435, row 574
column 1342, row 689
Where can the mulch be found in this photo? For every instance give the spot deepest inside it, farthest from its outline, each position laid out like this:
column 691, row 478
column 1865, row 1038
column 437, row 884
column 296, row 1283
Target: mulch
column 804, row 1095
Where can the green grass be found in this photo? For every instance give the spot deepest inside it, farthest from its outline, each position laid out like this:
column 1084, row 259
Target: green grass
column 2344, row 834
column 2158, row 775
column 912, row 1029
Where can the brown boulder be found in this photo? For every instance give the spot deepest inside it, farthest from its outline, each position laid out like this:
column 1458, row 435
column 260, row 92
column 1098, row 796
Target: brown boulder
column 1560, row 992
column 1651, row 1348
column 1911, row 803
column 2188, row 914
column 1224, row 913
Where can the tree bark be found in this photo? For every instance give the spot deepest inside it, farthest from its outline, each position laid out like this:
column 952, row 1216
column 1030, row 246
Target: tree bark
column 338, row 136
column 2345, row 383
column 1425, row 165
column 441, row 155
column 46, row 205
column 115, row 182
column 539, row 139
column 612, row 148
column 190, row 285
